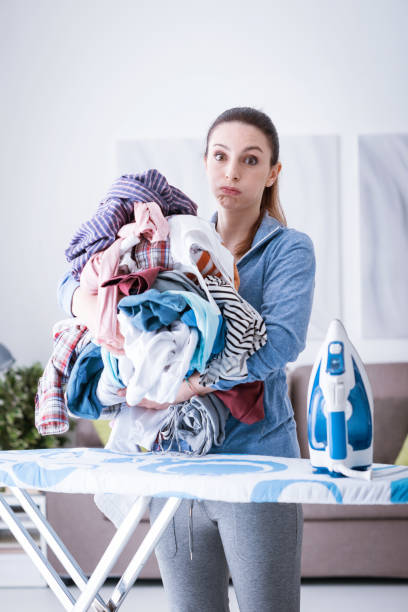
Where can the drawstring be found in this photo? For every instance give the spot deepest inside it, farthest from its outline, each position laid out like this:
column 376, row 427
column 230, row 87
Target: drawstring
column 190, row 529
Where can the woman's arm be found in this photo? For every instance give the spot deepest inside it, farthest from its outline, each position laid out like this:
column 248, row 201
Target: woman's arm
column 186, row 391
column 84, row 306
column 77, row 302
column 288, row 288
column 65, row 292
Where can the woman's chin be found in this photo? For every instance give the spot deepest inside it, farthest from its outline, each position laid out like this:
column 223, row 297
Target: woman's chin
column 228, row 202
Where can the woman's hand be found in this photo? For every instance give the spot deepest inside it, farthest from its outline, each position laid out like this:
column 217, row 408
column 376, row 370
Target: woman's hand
column 145, row 403
column 186, row 391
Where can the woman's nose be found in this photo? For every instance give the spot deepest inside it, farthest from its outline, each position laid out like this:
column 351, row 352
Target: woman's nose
column 231, row 172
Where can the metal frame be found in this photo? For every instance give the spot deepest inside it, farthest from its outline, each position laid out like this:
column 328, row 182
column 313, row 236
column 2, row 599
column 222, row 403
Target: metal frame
column 89, row 598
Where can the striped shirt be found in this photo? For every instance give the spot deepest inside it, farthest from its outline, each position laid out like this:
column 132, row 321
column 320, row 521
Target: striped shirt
column 245, row 333
column 117, row 209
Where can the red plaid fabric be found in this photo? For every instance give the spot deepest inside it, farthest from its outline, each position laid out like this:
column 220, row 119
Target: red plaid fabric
column 152, row 254
column 51, row 414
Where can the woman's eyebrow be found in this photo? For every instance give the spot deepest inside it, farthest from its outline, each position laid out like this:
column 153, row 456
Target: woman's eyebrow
column 246, row 148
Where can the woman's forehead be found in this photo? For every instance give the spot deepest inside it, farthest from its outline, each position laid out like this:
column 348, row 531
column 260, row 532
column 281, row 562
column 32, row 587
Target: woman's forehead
column 238, row 134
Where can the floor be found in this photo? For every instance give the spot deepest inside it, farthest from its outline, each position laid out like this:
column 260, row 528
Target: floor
column 336, row 595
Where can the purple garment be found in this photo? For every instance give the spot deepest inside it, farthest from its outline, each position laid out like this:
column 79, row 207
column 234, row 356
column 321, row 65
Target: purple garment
column 117, row 209
column 134, row 283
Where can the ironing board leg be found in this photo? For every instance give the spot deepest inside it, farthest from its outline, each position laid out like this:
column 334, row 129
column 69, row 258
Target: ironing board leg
column 89, row 596
column 112, row 552
column 37, row 557
column 55, row 543
column 143, row 552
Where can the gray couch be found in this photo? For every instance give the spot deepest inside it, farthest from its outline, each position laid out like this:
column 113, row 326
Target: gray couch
column 348, row 541
column 359, row 540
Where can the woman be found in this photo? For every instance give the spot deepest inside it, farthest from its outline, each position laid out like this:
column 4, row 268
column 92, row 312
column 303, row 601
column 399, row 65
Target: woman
column 258, row 544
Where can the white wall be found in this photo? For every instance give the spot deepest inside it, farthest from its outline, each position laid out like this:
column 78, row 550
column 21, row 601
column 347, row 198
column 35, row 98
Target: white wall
column 79, row 75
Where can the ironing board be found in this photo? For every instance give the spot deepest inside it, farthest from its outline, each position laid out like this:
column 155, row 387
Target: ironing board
column 230, row 478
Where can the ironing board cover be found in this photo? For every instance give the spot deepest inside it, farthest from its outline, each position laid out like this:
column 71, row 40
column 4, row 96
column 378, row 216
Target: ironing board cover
column 230, row 478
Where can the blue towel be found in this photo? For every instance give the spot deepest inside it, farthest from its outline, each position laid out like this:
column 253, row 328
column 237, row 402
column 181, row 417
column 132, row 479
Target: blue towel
column 81, row 387
column 153, row 309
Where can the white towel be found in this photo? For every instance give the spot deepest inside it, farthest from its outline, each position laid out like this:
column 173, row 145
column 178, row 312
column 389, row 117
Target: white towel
column 160, row 359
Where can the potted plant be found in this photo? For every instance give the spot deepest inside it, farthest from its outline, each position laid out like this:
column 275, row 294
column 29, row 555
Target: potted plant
column 18, row 387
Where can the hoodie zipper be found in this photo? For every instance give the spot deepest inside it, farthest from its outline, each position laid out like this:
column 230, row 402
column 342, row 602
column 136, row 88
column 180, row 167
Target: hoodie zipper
column 258, row 244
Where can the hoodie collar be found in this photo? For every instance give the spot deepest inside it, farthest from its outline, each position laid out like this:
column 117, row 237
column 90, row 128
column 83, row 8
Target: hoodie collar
column 268, row 225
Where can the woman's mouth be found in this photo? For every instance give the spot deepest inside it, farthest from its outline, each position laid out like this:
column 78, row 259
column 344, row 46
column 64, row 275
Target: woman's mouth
column 230, row 190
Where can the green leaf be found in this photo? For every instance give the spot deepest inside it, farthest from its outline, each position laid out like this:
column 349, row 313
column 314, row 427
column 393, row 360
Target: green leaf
column 18, row 387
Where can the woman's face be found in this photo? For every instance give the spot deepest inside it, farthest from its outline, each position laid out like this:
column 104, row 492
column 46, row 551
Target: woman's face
column 239, row 158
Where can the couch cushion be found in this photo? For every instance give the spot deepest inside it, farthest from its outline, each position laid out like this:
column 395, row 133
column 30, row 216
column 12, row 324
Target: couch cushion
column 103, row 429
column 390, row 427
column 333, row 512
column 402, row 458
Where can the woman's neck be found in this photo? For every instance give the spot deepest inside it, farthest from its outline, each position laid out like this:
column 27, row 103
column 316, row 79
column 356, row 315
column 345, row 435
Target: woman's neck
column 233, row 226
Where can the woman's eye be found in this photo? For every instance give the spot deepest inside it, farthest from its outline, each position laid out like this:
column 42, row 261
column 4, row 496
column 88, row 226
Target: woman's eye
column 251, row 160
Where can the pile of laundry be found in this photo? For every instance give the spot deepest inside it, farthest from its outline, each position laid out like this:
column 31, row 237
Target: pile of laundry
column 167, row 306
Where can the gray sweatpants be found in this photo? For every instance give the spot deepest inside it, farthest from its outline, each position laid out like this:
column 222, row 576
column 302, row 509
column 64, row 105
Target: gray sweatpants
column 259, row 544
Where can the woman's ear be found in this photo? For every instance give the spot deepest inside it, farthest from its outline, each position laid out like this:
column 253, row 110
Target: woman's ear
column 273, row 175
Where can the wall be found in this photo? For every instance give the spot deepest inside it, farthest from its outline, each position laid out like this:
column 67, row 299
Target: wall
column 78, row 76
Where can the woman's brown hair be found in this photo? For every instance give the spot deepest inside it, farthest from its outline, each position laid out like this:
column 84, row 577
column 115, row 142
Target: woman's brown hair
column 270, row 198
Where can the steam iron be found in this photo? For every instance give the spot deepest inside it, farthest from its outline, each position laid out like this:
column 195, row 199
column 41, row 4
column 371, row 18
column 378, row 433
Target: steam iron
column 340, row 409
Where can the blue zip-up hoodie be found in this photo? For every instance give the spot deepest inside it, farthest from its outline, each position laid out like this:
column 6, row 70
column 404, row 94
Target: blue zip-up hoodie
column 277, row 278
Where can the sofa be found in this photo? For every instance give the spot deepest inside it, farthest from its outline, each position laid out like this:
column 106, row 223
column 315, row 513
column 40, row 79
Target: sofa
column 346, row 540
column 338, row 541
